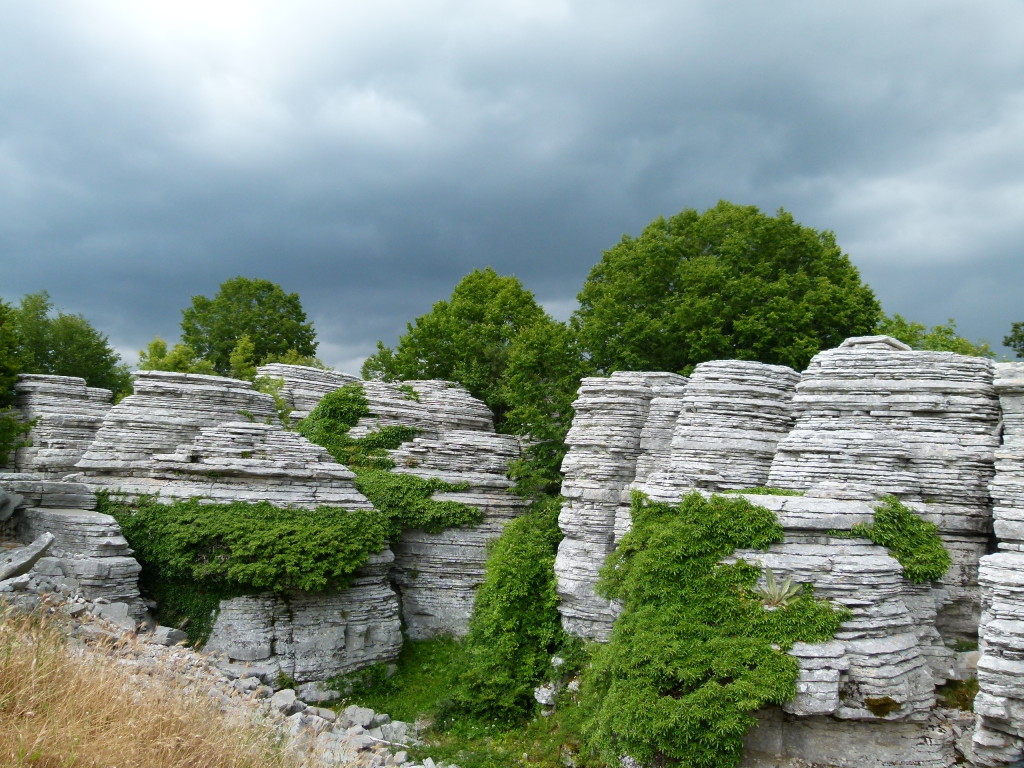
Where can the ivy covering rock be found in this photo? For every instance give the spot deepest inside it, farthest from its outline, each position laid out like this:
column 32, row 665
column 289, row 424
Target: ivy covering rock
column 695, row 651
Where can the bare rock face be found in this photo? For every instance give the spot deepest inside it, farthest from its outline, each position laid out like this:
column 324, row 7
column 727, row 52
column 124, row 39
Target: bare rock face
column 313, row 636
column 601, row 464
column 67, row 414
column 732, row 416
column 437, row 574
column 167, row 410
column 999, row 735
column 88, row 555
column 874, row 417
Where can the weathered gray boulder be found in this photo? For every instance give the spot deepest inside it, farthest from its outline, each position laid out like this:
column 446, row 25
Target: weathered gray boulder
column 20, row 561
column 67, row 415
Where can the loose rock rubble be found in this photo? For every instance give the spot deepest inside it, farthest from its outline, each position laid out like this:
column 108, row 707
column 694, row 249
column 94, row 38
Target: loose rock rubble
column 317, row 737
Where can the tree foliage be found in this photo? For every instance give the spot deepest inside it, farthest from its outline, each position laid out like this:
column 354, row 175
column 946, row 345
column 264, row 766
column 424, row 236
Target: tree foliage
column 1015, row 339
column 65, row 345
column 938, row 338
column 729, row 283
column 465, row 339
column 11, row 427
column 273, row 321
column 493, row 337
column 181, row 358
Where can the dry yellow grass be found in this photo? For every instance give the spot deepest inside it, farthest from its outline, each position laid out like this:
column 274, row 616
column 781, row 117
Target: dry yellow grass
column 63, row 706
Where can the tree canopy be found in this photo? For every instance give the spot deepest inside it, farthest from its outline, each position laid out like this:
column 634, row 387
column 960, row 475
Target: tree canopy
column 938, row 338
column 272, row 320
column 10, row 425
column 729, row 283
column 65, row 345
column 493, row 337
column 465, row 339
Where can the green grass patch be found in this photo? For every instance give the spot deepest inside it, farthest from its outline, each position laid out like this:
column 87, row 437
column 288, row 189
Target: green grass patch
column 958, row 694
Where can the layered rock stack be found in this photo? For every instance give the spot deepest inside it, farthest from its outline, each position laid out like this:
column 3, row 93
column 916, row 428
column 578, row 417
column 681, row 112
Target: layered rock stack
column 302, row 385
column 601, row 465
column 874, row 417
column 437, row 574
column 89, row 556
column 67, row 415
column 167, row 410
column 999, row 705
column 732, row 416
column 189, row 436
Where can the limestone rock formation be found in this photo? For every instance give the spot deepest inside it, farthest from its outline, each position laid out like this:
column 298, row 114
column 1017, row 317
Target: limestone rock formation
column 999, row 736
column 874, row 417
column 604, row 446
column 732, row 416
column 67, row 415
column 313, row 636
column 437, row 573
column 88, row 555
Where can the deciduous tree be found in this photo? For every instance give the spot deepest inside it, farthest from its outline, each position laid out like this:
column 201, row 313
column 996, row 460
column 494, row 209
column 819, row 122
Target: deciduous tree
column 938, row 338
column 729, row 283
column 273, row 320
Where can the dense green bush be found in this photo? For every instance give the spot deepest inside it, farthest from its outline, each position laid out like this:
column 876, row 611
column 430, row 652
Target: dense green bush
column 914, row 542
column 405, row 499
column 250, row 546
column 695, row 651
column 515, row 626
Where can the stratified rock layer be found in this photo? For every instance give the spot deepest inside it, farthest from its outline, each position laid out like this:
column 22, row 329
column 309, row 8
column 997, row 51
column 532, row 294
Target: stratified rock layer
column 89, row 556
column 437, row 574
column 999, row 735
column 308, row 636
column 67, row 415
column 604, row 446
column 733, row 414
column 874, row 417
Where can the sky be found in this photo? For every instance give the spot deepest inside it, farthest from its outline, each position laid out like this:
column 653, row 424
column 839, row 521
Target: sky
column 367, row 156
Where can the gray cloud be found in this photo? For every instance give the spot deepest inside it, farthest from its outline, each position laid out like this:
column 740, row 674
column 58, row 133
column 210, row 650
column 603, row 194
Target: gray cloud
column 369, row 157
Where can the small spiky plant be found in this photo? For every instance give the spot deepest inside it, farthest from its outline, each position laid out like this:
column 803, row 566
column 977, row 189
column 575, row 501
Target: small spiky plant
column 775, row 594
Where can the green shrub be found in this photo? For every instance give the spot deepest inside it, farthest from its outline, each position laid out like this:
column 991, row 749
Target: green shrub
column 515, row 626
column 406, row 501
column 914, row 542
column 694, row 652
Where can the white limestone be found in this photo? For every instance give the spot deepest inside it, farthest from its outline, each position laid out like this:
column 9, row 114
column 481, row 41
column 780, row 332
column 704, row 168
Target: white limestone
column 67, row 415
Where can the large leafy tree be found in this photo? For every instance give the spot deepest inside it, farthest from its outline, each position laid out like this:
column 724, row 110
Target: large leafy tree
column 10, row 426
column 273, row 321
column 938, row 338
column 493, row 337
column 465, row 339
column 729, row 283
column 65, row 345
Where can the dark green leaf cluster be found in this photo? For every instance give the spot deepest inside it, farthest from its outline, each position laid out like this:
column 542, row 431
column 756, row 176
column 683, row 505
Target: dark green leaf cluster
column 728, row 284
column 273, row 322
column 406, row 500
column 694, row 652
column 515, row 625
column 11, row 427
column 914, row 542
column 65, row 345
column 1015, row 339
column 250, row 547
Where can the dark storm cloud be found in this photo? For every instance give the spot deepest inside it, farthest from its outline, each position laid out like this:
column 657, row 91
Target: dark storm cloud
column 368, row 158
